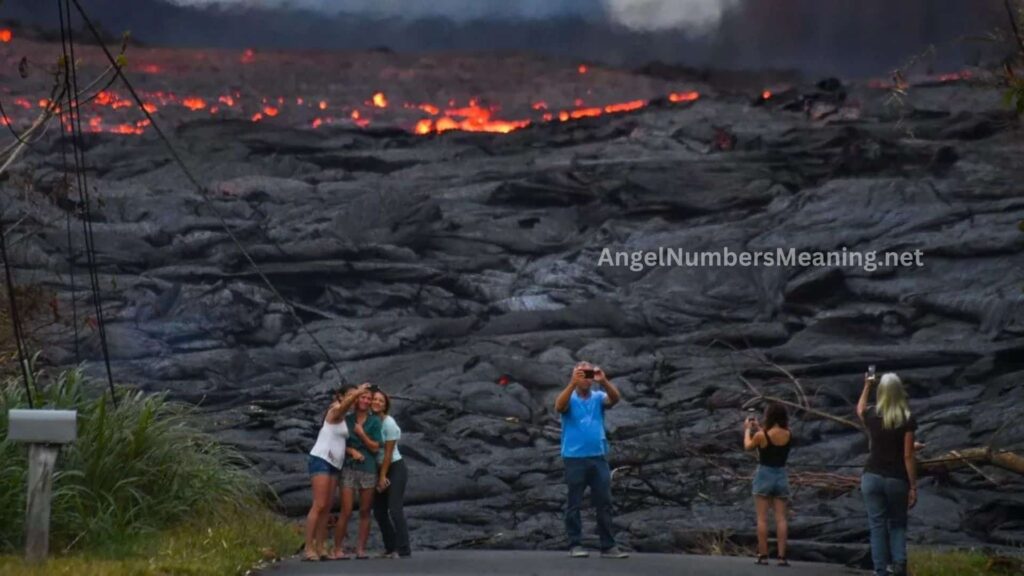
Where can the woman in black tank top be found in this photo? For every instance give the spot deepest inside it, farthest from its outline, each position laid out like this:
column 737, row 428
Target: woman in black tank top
column 771, row 483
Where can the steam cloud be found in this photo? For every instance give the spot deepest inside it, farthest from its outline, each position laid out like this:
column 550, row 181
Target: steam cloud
column 640, row 15
column 649, row 15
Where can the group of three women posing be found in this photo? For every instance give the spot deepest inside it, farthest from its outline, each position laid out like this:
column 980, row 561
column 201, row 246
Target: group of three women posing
column 357, row 447
column 888, row 484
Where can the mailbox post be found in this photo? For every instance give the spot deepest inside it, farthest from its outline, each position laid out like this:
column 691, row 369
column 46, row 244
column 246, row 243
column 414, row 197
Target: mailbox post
column 44, row 431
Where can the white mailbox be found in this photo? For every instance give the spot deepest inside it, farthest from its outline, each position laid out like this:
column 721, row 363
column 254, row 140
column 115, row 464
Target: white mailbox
column 42, row 426
column 44, row 431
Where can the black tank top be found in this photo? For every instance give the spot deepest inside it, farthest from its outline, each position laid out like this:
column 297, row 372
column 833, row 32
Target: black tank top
column 772, row 455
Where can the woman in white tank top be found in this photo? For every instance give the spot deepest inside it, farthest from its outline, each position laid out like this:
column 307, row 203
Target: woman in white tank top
column 325, row 460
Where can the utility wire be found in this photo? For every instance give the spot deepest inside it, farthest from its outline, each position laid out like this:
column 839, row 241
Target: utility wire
column 203, row 192
column 75, row 119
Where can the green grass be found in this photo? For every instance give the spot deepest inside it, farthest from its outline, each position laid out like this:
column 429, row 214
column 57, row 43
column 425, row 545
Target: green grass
column 232, row 541
column 141, row 491
column 927, row 562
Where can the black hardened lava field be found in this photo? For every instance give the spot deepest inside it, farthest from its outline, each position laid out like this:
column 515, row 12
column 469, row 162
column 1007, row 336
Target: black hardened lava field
column 439, row 222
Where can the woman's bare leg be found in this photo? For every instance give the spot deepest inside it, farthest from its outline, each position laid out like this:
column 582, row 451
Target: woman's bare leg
column 365, row 507
column 321, row 528
column 761, row 503
column 322, row 491
column 341, row 529
column 781, row 525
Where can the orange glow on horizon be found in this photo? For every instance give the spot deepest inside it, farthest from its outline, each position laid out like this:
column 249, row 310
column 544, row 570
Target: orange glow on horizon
column 6, row 35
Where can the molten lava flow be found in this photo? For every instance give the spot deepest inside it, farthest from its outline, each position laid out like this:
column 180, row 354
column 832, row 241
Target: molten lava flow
column 677, row 97
column 6, row 35
column 625, row 106
column 317, row 122
column 248, row 56
column 379, row 100
column 582, row 69
column 226, row 100
column 257, row 117
column 540, row 105
column 430, row 109
column 194, row 103
column 358, row 119
column 22, row 102
column 270, row 111
column 149, row 107
column 471, row 118
column 323, row 104
column 766, row 95
column 149, row 69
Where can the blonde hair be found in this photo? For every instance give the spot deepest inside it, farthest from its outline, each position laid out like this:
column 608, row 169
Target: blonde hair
column 891, row 400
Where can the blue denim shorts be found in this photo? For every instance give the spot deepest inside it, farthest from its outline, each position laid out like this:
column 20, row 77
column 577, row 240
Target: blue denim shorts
column 318, row 465
column 771, row 482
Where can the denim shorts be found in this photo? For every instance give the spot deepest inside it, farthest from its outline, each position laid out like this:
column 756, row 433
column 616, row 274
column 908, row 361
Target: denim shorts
column 771, row 482
column 318, row 465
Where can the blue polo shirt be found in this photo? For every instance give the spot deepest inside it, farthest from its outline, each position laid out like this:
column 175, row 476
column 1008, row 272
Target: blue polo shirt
column 583, row 426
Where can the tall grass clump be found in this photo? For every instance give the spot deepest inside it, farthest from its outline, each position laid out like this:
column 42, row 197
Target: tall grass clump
column 135, row 469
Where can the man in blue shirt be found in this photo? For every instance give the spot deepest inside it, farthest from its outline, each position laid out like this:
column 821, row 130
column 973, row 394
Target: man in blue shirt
column 584, row 451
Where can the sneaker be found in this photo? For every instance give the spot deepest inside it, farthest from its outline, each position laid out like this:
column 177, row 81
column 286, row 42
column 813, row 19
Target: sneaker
column 578, row 552
column 388, row 555
column 614, row 552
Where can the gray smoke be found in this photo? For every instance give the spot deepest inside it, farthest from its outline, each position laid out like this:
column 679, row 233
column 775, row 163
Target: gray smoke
column 697, row 16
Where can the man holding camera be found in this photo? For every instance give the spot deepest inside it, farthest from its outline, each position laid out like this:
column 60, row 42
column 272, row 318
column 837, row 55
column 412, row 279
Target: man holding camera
column 584, row 451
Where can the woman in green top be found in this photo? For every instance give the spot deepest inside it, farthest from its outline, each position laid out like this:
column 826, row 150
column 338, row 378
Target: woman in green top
column 359, row 473
column 391, row 480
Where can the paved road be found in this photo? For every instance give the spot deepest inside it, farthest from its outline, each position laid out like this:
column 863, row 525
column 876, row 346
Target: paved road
column 530, row 563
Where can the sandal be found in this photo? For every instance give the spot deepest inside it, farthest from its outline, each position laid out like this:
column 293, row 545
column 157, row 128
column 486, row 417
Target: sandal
column 337, row 555
column 762, row 559
column 783, row 561
column 362, row 556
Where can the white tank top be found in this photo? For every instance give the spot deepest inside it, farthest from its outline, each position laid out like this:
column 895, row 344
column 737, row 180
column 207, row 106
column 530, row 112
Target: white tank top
column 330, row 443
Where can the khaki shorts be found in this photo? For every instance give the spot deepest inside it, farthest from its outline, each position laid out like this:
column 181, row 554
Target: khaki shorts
column 358, row 479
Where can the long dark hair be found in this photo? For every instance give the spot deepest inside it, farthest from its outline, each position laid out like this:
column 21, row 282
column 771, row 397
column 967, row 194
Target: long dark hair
column 336, row 394
column 775, row 414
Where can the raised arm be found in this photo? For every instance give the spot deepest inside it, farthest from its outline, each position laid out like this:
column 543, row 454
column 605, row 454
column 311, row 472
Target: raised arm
column 753, row 437
column 562, row 401
column 338, row 409
column 862, row 404
column 613, row 393
column 910, row 461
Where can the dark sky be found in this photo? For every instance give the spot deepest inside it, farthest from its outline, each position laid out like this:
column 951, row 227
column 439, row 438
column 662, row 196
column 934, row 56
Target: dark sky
column 845, row 37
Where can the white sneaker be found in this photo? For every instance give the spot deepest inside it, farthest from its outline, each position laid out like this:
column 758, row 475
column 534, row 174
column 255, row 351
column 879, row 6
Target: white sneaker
column 578, row 552
column 614, row 552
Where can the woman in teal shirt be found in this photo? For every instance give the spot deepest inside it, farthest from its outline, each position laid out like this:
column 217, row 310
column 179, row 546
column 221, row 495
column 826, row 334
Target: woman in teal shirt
column 358, row 474
column 391, row 480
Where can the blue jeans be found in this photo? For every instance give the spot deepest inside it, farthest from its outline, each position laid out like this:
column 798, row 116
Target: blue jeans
column 595, row 473
column 886, row 502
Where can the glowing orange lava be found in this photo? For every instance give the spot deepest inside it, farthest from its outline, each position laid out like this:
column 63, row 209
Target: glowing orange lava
column 766, row 95
column 248, row 56
column 194, row 103
column 582, row 69
column 226, row 100
column 677, row 97
column 379, row 100
column 323, row 104
column 270, row 111
column 6, row 35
